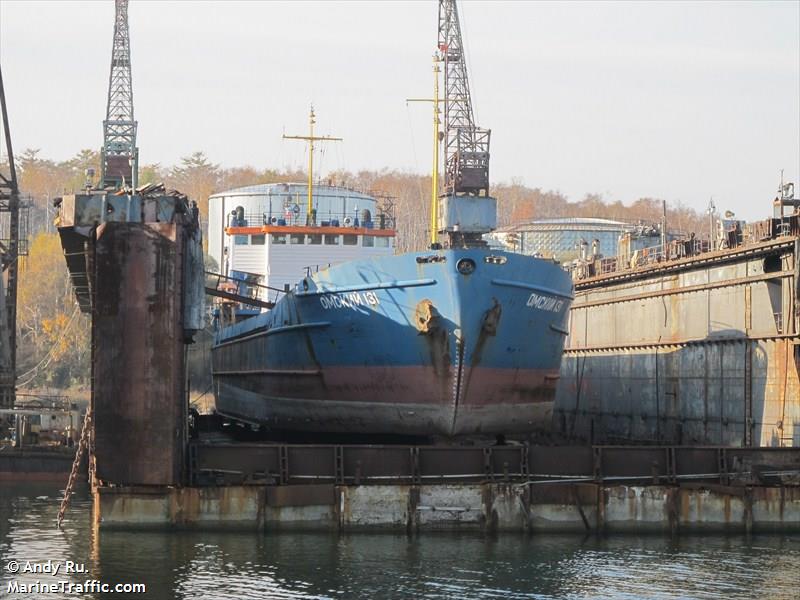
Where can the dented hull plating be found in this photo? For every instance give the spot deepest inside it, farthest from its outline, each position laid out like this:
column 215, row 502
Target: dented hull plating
column 455, row 342
column 703, row 351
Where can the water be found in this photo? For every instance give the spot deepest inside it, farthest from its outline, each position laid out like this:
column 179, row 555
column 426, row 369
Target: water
column 432, row 566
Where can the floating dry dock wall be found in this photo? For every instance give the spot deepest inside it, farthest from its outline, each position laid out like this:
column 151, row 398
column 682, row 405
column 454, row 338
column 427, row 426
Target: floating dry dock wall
column 139, row 406
column 408, row 488
column 135, row 261
column 693, row 350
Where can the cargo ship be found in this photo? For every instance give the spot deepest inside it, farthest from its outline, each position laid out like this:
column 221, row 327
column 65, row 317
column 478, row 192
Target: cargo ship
column 457, row 340
column 448, row 342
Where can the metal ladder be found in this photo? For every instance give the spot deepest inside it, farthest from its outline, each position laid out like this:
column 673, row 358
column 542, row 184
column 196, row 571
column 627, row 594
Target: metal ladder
column 76, row 463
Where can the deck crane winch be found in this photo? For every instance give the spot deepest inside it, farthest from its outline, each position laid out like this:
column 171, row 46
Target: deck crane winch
column 120, row 156
column 466, row 211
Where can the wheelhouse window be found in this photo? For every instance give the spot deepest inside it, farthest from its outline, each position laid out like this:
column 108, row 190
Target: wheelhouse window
column 297, row 238
column 315, row 239
column 382, row 242
column 240, row 240
column 259, row 239
column 278, row 238
column 368, row 241
column 350, row 240
column 331, row 240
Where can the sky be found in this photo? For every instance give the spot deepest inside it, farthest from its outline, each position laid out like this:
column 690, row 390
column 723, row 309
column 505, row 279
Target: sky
column 679, row 100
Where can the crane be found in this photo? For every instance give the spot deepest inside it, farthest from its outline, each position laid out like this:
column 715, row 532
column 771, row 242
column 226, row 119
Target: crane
column 120, row 156
column 465, row 209
column 466, row 146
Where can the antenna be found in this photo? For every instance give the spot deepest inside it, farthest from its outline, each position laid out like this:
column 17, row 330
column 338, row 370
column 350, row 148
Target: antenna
column 311, row 138
column 711, row 210
column 120, row 156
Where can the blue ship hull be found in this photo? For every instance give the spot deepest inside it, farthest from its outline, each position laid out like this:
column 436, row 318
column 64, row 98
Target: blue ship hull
column 418, row 344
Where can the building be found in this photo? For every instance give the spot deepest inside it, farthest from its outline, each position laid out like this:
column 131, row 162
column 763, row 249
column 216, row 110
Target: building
column 562, row 238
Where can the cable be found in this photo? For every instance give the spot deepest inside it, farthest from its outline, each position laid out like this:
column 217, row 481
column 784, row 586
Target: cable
column 414, row 151
column 208, row 389
column 413, row 141
column 50, row 354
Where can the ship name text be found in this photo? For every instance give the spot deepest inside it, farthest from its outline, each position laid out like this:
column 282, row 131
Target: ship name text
column 547, row 303
column 349, row 300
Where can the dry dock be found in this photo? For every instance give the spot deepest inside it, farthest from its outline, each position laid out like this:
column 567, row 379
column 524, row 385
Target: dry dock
column 139, row 278
column 688, row 349
column 526, row 489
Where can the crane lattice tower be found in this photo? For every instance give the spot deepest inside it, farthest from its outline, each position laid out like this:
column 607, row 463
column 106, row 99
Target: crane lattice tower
column 120, row 155
column 466, row 146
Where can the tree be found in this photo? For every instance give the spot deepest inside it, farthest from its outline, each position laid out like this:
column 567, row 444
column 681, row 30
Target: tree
column 51, row 332
column 152, row 173
column 78, row 166
column 53, row 337
column 40, row 178
column 197, row 178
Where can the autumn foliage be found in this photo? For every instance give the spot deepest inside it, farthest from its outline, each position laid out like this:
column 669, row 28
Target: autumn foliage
column 54, row 336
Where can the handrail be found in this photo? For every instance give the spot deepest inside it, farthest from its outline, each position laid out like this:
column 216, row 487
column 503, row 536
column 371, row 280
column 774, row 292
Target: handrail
column 353, row 219
column 675, row 250
column 239, row 290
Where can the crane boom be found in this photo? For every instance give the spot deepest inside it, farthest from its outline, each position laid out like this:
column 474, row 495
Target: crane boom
column 466, row 146
column 120, row 155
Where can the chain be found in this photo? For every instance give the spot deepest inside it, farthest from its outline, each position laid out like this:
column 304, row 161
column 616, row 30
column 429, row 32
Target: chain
column 73, row 475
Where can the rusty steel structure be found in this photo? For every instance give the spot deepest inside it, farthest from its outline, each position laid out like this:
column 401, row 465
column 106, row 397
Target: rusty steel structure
column 141, row 408
column 9, row 265
column 581, row 489
column 136, row 265
column 465, row 210
column 272, row 464
column 119, row 155
column 688, row 344
column 134, row 257
column 466, row 146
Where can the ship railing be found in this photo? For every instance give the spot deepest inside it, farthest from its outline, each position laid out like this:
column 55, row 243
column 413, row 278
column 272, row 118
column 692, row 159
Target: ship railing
column 248, row 291
column 640, row 257
column 732, row 237
column 362, row 219
column 44, row 401
column 655, row 254
column 310, row 269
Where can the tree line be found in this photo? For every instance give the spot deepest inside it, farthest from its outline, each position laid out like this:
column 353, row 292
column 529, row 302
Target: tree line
column 53, row 338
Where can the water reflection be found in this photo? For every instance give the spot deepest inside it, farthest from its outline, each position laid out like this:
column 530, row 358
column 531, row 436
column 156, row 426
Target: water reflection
column 434, row 565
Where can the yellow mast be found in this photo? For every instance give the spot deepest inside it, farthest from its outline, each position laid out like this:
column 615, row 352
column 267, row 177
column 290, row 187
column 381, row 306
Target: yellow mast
column 311, row 138
column 435, row 172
